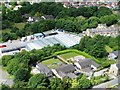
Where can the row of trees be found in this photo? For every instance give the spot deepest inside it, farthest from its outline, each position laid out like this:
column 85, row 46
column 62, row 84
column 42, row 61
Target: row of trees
column 55, row 9
column 43, row 82
column 96, row 46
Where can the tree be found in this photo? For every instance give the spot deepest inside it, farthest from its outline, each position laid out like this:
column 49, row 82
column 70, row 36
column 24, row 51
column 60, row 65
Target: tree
column 14, row 16
column 56, row 83
column 93, row 22
column 20, row 84
column 6, row 59
column 38, row 80
column 4, row 87
column 12, row 36
column 22, row 74
column 83, row 42
column 21, row 33
column 84, row 83
column 103, row 11
column 12, row 66
column 114, row 43
column 14, row 29
column 98, row 50
column 109, row 19
column 6, row 24
column 79, row 77
column 66, row 83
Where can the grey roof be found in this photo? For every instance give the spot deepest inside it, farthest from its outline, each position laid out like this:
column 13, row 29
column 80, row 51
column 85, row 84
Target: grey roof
column 84, row 63
column 16, row 44
column 71, row 75
column 95, row 64
column 106, row 29
column 87, row 63
column 66, row 68
column 26, row 15
column 61, row 74
column 118, row 65
column 49, row 16
column 43, row 68
column 87, row 69
column 36, row 18
column 117, row 53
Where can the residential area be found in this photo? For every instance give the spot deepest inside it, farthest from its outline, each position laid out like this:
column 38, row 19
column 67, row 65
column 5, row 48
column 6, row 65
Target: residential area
column 60, row 45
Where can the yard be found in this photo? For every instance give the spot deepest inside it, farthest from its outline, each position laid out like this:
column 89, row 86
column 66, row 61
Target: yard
column 52, row 63
column 108, row 49
column 69, row 55
column 66, row 54
column 20, row 25
column 99, row 79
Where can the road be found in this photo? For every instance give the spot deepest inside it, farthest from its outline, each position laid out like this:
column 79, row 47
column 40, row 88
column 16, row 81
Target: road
column 108, row 84
column 4, row 78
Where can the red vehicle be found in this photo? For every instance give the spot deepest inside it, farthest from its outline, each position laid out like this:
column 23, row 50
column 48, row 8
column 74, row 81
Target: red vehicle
column 2, row 46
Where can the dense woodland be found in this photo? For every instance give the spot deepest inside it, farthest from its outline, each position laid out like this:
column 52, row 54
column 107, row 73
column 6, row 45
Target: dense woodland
column 96, row 46
column 72, row 19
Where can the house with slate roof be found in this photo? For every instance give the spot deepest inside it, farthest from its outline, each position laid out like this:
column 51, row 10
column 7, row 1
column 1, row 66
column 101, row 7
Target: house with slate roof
column 102, row 29
column 44, row 69
column 86, row 66
column 114, row 55
column 65, row 71
column 47, row 17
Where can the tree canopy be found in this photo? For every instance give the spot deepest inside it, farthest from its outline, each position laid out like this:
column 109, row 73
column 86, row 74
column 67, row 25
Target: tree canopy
column 38, row 80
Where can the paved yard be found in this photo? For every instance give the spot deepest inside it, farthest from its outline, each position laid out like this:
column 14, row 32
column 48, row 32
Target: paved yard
column 101, row 72
column 4, row 78
column 109, row 83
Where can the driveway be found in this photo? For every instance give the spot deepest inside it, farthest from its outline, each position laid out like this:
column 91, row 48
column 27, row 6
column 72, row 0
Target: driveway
column 109, row 84
column 4, row 78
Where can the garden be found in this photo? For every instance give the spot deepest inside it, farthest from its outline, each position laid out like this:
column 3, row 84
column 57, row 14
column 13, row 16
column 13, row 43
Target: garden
column 52, row 63
column 100, row 79
column 66, row 54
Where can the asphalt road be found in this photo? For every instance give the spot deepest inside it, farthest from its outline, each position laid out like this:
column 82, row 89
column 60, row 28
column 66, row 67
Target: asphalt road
column 108, row 84
column 4, row 78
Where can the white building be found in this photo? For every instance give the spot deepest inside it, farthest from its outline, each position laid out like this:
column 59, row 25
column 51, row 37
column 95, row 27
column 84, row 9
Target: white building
column 114, row 70
column 102, row 29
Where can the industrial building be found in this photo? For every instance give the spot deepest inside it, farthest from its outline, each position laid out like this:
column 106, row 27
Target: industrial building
column 38, row 41
column 61, row 38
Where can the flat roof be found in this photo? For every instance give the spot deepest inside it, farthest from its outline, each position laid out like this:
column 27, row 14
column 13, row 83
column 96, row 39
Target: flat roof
column 15, row 44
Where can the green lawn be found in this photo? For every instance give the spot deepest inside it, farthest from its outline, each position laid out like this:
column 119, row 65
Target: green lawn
column 74, row 52
column 5, row 30
column 69, row 55
column 20, row 25
column 51, row 63
column 108, row 49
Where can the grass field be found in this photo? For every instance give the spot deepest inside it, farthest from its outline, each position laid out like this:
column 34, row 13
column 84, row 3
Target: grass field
column 69, row 55
column 20, row 25
column 72, row 52
column 51, row 63
column 5, row 30
column 108, row 49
